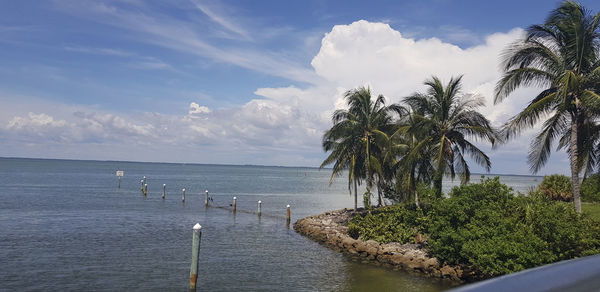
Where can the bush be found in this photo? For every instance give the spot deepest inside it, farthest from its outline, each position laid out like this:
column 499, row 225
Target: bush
column 394, row 223
column 557, row 187
column 590, row 188
column 487, row 228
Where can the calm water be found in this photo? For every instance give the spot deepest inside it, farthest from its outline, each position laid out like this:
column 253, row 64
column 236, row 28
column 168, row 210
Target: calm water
column 65, row 226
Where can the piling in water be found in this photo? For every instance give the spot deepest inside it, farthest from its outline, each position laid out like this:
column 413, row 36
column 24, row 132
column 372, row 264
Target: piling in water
column 234, row 204
column 183, row 195
column 259, row 205
column 197, row 234
column 287, row 216
column 119, row 185
column 145, row 189
column 206, row 199
column 164, row 191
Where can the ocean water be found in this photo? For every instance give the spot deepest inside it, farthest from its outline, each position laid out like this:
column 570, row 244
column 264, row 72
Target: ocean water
column 64, row 225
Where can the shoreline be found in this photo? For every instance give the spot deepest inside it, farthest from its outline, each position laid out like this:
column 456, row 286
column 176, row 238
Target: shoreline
column 330, row 229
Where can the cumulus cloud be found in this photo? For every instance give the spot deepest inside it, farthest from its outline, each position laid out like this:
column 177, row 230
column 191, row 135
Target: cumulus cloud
column 196, row 109
column 279, row 123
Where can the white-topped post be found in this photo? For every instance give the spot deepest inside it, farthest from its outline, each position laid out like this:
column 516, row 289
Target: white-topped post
column 164, row 191
column 234, row 204
column 197, row 234
column 259, row 205
column 145, row 189
column 287, row 214
column 183, row 195
column 206, row 198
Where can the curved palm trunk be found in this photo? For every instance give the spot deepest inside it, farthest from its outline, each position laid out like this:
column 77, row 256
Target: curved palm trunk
column 574, row 168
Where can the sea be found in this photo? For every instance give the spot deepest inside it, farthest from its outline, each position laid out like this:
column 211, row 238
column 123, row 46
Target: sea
column 66, row 225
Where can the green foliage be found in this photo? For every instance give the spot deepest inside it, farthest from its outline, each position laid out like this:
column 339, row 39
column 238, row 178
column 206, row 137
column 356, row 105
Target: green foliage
column 396, row 223
column 592, row 210
column 557, row 187
column 486, row 227
column 590, row 188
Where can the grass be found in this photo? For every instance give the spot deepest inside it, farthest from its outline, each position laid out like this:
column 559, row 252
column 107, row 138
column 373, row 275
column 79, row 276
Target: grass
column 592, row 209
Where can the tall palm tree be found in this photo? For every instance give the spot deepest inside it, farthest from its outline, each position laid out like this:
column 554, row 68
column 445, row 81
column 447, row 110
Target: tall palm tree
column 414, row 149
column 449, row 119
column 351, row 139
column 561, row 56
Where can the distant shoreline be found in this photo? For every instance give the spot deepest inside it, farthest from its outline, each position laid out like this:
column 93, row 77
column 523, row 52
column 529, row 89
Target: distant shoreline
column 473, row 175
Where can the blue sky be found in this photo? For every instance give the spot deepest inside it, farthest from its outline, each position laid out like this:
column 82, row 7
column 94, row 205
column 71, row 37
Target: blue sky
column 242, row 82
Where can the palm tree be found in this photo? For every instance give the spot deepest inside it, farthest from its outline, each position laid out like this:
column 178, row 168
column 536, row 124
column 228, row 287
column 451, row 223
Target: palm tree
column 561, row 56
column 447, row 120
column 413, row 147
column 351, row 139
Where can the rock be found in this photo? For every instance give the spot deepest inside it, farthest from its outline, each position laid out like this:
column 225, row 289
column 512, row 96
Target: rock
column 432, row 263
column 448, row 272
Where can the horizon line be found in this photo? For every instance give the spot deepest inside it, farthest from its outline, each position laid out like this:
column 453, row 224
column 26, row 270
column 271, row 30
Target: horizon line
column 230, row 164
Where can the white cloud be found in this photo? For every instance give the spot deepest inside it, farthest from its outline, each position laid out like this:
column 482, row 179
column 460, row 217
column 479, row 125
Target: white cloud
column 186, row 37
column 196, row 109
column 99, row 51
column 283, row 122
column 225, row 22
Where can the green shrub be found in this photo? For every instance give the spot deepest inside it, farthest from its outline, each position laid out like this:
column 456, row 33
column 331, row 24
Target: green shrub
column 487, row 228
column 477, row 226
column 557, row 187
column 394, row 223
column 590, row 188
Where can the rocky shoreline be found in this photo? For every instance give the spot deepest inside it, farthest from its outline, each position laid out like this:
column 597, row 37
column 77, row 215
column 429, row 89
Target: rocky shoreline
column 330, row 228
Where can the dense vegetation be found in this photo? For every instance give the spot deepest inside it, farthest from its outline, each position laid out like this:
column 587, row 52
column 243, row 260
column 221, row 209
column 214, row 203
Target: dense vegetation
column 590, row 189
column 488, row 228
column 557, row 187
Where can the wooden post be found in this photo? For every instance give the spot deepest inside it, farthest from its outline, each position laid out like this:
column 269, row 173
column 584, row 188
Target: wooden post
column 183, row 195
column 259, row 205
column 145, row 189
column 287, row 214
column 119, row 185
column 206, row 199
column 234, row 204
column 164, row 191
column 197, row 234
column 142, row 188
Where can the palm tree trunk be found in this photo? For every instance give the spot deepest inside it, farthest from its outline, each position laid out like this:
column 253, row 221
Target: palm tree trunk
column 369, row 179
column 355, row 195
column 574, row 168
column 437, row 184
column 412, row 185
column 379, row 196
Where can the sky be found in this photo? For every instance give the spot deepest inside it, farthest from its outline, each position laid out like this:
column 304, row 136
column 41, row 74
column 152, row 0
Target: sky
column 240, row 82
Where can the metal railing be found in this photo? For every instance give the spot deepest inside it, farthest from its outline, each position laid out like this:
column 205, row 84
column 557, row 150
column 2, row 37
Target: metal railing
column 581, row 274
